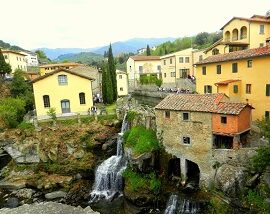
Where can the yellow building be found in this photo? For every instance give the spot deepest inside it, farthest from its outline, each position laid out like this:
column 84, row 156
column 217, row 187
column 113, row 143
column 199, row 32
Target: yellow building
column 66, row 91
column 142, row 65
column 122, row 83
column 15, row 59
column 179, row 65
column 241, row 75
column 45, row 69
column 242, row 33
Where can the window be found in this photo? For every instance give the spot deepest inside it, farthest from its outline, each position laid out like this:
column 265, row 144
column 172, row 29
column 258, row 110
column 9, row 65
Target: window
column 62, row 80
column 46, row 101
column 204, row 70
column 267, row 115
column 235, row 89
column 17, row 59
column 261, row 29
column 218, row 69
column 207, row 89
column 186, row 140
column 172, row 74
column 170, row 60
column 121, row 88
column 223, row 119
column 268, row 90
column 185, row 116
column 164, row 62
column 187, row 59
column 158, row 67
column 215, row 51
column 234, row 67
column 261, row 45
column 120, row 76
column 248, row 88
column 164, row 75
column 82, row 98
column 181, row 59
column 167, row 114
column 249, row 63
column 200, row 58
column 140, row 69
column 184, row 73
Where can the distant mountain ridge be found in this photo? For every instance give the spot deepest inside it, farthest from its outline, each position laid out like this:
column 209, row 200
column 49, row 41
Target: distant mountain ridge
column 131, row 45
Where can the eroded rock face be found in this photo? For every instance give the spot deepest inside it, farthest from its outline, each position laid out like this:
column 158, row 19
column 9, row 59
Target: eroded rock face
column 56, row 194
column 231, row 179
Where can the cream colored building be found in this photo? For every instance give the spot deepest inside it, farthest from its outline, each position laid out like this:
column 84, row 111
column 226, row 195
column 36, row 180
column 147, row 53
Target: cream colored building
column 45, row 69
column 179, row 65
column 142, row 65
column 122, row 83
column 31, row 58
column 242, row 33
column 68, row 92
column 15, row 59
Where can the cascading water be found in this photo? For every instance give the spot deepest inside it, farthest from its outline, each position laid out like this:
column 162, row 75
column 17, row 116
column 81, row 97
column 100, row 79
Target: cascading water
column 180, row 205
column 108, row 177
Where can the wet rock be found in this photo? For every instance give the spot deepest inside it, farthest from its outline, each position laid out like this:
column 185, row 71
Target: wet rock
column 13, row 185
column 231, row 180
column 56, row 194
column 12, row 203
column 79, row 192
column 46, row 208
column 24, row 193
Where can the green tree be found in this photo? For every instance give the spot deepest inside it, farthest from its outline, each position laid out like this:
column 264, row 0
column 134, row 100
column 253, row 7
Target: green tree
column 107, row 90
column 111, row 77
column 41, row 54
column 148, row 51
column 202, row 38
column 19, row 88
column 5, row 68
column 104, row 85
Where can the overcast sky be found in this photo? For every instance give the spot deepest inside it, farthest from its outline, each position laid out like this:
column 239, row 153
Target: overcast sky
column 91, row 23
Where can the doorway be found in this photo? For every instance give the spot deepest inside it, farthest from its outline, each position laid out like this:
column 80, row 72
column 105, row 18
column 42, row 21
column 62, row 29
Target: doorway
column 65, row 106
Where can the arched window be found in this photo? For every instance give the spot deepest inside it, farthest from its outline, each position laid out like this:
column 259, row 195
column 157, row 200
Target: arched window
column 46, row 101
column 234, row 34
column 215, row 51
column 82, row 98
column 227, row 36
column 62, row 80
column 243, row 32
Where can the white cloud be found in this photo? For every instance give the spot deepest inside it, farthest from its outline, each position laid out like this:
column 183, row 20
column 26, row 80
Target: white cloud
column 90, row 23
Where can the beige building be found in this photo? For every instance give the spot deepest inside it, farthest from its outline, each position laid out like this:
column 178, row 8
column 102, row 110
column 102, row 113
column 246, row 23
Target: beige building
column 142, row 65
column 91, row 72
column 69, row 93
column 15, row 59
column 242, row 33
column 45, row 69
column 179, row 65
column 122, row 83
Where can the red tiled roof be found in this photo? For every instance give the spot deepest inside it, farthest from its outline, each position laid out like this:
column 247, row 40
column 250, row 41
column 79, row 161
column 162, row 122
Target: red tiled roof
column 226, row 82
column 237, row 55
column 59, row 70
column 212, row 103
column 60, row 64
column 145, row 58
column 255, row 18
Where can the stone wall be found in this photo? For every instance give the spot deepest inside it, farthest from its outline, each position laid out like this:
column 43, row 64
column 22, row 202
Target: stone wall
column 199, row 151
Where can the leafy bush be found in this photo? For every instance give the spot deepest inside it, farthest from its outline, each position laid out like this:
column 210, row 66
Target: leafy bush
column 158, row 82
column 25, row 125
column 265, row 127
column 144, row 80
column 52, row 113
column 87, row 120
column 262, row 159
column 12, row 111
column 131, row 115
column 141, row 140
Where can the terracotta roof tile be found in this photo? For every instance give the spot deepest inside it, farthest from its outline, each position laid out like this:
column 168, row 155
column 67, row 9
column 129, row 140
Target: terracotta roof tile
column 60, row 64
column 237, row 55
column 145, row 58
column 212, row 103
column 226, row 82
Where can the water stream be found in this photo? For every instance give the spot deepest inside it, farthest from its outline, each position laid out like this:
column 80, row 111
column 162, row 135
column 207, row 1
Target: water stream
column 108, row 178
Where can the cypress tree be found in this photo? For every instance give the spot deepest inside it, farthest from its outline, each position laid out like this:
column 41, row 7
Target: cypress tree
column 112, row 73
column 104, row 85
column 148, row 51
column 5, row 68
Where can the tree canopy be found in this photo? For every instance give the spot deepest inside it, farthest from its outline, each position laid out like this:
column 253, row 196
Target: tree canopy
column 5, row 68
column 148, row 51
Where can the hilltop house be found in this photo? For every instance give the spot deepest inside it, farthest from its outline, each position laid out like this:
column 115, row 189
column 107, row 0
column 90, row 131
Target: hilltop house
column 45, row 69
column 122, row 83
column 15, row 59
column 138, row 66
column 66, row 91
column 192, row 126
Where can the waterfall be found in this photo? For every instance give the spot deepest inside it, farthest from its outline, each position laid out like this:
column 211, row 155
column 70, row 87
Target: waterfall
column 182, row 205
column 108, row 177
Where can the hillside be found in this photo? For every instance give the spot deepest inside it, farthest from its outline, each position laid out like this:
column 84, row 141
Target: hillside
column 83, row 57
column 6, row 45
